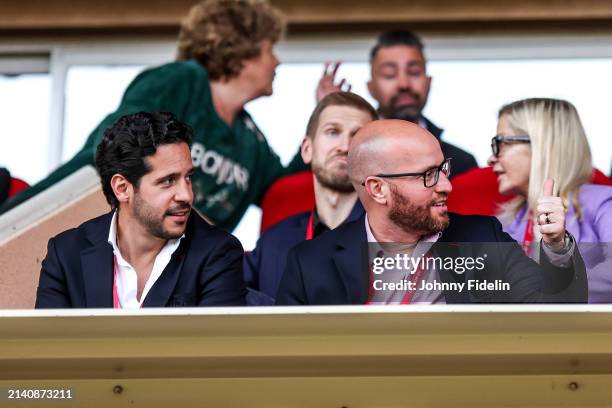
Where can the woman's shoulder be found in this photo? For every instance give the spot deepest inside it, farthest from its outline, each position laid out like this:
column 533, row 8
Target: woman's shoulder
column 596, row 201
column 593, row 194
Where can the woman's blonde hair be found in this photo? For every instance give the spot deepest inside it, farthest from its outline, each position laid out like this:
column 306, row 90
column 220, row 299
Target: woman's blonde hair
column 559, row 149
column 221, row 34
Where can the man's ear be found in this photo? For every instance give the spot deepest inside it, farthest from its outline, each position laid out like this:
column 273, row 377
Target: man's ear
column 122, row 188
column 306, row 150
column 377, row 190
column 372, row 89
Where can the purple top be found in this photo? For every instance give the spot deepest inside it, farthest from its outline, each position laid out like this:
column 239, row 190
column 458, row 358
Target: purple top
column 593, row 234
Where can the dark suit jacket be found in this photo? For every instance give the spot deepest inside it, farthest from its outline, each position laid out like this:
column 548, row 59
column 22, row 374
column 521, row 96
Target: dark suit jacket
column 462, row 160
column 205, row 270
column 333, row 268
column 263, row 268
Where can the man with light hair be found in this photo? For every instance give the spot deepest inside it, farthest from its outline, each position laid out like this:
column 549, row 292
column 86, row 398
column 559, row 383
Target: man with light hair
column 330, row 129
column 402, row 179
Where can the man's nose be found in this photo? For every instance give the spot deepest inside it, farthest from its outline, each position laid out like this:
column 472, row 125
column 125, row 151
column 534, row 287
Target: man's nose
column 403, row 81
column 344, row 143
column 491, row 160
column 444, row 185
column 184, row 192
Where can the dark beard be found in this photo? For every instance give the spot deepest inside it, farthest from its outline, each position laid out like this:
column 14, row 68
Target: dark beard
column 410, row 113
column 331, row 181
column 154, row 226
column 413, row 218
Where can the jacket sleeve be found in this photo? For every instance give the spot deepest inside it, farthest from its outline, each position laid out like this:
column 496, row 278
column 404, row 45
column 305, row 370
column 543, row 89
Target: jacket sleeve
column 252, row 266
column 52, row 292
column 221, row 280
column 545, row 283
column 252, row 276
column 291, row 290
column 600, row 271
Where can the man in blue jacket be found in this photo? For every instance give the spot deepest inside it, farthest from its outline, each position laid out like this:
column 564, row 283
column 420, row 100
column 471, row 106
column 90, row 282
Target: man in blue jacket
column 331, row 126
column 151, row 250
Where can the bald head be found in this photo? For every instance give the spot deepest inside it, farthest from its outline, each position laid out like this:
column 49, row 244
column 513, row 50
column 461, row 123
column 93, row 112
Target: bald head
column 391, row 146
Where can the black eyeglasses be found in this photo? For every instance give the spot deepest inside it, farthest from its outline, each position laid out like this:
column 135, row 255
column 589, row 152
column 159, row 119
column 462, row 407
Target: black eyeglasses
column 430, row 176
column 497, row 140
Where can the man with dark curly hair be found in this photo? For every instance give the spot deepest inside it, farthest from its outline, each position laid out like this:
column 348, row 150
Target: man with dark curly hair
column 150, row 250
column 225, row 59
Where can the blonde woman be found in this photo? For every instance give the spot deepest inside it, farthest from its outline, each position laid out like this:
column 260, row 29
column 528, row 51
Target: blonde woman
column 543, row 138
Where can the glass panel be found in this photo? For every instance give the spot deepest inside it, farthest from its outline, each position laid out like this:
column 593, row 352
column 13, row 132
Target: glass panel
column 92, row 92
column 466, row 96
column 464, row 99
column 24, row 112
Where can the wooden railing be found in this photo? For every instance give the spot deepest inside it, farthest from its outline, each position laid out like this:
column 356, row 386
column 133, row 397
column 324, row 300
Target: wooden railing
column 434, row 356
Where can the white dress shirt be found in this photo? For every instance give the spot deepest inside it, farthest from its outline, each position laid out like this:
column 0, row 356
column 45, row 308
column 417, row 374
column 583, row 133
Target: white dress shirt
column 395, row 297
column 126, row 278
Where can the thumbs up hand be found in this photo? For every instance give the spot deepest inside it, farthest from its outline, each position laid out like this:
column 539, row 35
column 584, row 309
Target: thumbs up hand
column 551, row 217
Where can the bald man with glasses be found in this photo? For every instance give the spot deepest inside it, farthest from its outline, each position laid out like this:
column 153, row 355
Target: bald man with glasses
column 408, row 249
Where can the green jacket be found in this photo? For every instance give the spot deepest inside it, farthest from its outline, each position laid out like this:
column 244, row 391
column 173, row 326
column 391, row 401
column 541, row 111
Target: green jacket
column 234, row 166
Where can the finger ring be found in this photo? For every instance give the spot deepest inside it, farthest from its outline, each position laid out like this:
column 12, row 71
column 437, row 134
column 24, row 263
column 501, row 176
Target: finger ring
column 546, row 218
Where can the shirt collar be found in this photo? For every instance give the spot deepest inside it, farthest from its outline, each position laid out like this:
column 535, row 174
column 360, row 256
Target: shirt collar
column 170, row 246
column 422, row 123
column 318, row 226
column 372, row 239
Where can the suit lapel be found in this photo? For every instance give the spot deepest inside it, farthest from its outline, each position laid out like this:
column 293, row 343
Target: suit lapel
column 356, row 213
column 162, row 290
column 447, row 247
column 97, row 265
column 351, row 261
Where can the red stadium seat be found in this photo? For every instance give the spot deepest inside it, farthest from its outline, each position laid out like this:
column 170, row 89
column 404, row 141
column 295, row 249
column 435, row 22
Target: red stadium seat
column 16, row 186
column 600, row 178
column 286, row 197
column 474, row 192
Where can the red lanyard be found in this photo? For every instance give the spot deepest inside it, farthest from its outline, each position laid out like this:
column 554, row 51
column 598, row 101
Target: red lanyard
column 116, row 303
column 310, row 227
column 415, row 278
column 528, row 238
